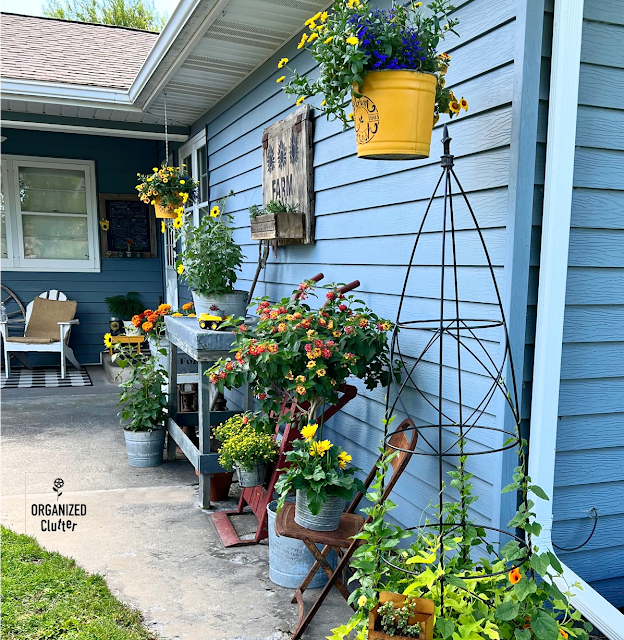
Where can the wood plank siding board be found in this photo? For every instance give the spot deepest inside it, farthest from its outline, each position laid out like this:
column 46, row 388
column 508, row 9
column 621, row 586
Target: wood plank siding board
column 368, row 213
column 589, row 466
column 117, row 161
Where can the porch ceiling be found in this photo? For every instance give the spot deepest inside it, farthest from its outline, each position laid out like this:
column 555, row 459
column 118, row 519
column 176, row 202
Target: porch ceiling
column 242, row 37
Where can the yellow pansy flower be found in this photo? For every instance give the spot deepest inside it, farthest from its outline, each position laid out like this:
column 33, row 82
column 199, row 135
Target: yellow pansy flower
column 182, row 181
column 308, row 431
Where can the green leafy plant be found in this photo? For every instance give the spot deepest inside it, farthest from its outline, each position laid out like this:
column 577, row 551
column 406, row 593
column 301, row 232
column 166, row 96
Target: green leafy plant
column 170, row 186
column 247, row 440
column 306, row 353
column 513, row 593
column 355, row 39
column 395, row 620
column 318, row 468
column 142, row 399
column 209, row 258
column 125, row 306
column 274, row 206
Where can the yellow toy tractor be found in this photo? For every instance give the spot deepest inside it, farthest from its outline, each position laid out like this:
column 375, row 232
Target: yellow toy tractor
column 207, row 321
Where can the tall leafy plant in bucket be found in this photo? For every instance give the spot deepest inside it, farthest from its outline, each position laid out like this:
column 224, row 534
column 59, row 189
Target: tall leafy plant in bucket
column 210, row 260
column 388, row 62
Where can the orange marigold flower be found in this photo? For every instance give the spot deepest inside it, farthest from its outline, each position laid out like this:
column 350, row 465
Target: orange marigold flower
column 515, row 576
column 152, row 317
column 164, row 307
column 147, row 326
column 136, row 320
column 187, row 306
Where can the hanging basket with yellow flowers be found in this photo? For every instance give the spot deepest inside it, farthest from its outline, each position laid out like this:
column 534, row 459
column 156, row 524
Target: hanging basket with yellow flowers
column 168, row 189
column 382, row 72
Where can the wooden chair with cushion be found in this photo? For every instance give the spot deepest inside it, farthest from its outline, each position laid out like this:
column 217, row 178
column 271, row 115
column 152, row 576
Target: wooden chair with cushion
column 350, row 524
column 49, row 319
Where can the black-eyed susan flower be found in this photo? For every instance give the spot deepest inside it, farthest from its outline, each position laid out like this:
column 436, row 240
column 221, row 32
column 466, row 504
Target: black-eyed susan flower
column 515, row 576
column 281, row 79
column 215, row 211
column 282, row 62
column 300, row 100
column 463, row 103
column 178, row 222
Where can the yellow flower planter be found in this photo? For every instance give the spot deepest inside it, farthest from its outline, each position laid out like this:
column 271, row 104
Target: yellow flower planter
column 164, row 212
column 394, row 116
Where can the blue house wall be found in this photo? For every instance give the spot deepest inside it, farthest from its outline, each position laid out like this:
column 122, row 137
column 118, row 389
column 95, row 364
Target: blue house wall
column 117, row 161
column 589, row 469
column 367, row 214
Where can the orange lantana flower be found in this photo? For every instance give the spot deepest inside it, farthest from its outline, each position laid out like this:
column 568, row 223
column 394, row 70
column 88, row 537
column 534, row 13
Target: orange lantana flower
column 515, row 576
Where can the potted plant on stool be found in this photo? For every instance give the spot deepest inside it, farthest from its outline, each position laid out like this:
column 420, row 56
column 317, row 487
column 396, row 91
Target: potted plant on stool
column 387, row 62
column 209, row 261
column 125, row 306
column 144, row 404
column 319, row 475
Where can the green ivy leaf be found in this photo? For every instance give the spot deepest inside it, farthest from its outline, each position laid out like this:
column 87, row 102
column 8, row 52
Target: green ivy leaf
column 544, row 627
column 445, row 627
column 539, row 492
column 508, row 610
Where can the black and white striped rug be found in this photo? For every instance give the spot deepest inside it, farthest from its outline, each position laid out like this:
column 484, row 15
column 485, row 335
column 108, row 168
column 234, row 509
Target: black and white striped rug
column 38, row 378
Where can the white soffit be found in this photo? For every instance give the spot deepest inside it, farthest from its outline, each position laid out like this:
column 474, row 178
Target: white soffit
column 241, row 38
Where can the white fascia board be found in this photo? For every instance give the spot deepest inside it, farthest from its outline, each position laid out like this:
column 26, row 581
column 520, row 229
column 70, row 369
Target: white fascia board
column 60, row 93
column 150, row 66
column 92, row 131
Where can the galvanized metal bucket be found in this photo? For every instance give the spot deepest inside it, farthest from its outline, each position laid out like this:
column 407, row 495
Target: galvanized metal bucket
column 290, row 560
column 231, row 304
column 328, row 517
column 251, row 478
column 145, row 448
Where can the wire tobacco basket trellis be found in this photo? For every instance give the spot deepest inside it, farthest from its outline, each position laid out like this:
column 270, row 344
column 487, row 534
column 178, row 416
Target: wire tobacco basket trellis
column 453, row 361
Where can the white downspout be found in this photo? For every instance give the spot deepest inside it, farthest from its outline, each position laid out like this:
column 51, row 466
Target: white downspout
column 562, row 111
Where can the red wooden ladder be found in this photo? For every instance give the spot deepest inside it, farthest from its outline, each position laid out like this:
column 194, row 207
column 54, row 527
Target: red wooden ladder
column 258, row 498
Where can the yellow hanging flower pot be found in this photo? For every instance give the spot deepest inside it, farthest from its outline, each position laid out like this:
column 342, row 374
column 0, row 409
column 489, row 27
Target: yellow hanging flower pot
column 164, row 212
column 393, row 118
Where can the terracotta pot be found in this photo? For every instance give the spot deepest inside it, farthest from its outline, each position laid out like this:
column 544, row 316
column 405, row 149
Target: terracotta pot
column 424, row 614
column 164, row 212
column 220, row 486
column 393, row 117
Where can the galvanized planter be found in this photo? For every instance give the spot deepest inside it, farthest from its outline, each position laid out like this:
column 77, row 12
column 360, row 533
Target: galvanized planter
column 145, row 448
column 231, row 304
column 251, row 478
column 290, row 560
column 327, row 519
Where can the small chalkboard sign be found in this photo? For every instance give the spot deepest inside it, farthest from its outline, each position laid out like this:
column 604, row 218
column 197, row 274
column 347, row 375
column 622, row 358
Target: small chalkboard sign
column 127, row 227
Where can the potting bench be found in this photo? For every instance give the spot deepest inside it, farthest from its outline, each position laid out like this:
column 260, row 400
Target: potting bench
column 206, row 347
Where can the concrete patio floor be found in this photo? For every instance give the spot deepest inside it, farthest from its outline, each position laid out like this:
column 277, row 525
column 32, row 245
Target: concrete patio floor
column 143, row 530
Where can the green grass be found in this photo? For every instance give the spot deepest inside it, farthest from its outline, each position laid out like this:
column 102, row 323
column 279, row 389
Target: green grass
column 46, row 596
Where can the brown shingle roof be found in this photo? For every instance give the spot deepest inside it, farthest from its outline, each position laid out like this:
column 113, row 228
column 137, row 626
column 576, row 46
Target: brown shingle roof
column 51, row 50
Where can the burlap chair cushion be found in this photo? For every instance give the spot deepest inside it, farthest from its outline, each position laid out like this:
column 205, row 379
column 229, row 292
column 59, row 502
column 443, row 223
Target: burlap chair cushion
column 46, row 314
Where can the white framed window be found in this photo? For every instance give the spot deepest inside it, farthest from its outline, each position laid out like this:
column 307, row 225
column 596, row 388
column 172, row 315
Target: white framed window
column 194, row 155
column 49, row 215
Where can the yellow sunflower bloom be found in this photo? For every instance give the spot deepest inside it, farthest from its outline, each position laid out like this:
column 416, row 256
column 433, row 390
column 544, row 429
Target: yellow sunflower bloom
column 308, row 431
column 108, row 340
column 178, row 222
column 215, row 211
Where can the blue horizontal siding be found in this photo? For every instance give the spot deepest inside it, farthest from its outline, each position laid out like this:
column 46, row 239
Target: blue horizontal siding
column 589, row 466
column 117, row 161
column 366, row 216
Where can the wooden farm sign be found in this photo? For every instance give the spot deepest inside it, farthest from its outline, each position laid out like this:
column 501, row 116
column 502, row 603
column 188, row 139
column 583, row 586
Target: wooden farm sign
column 287, row 171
